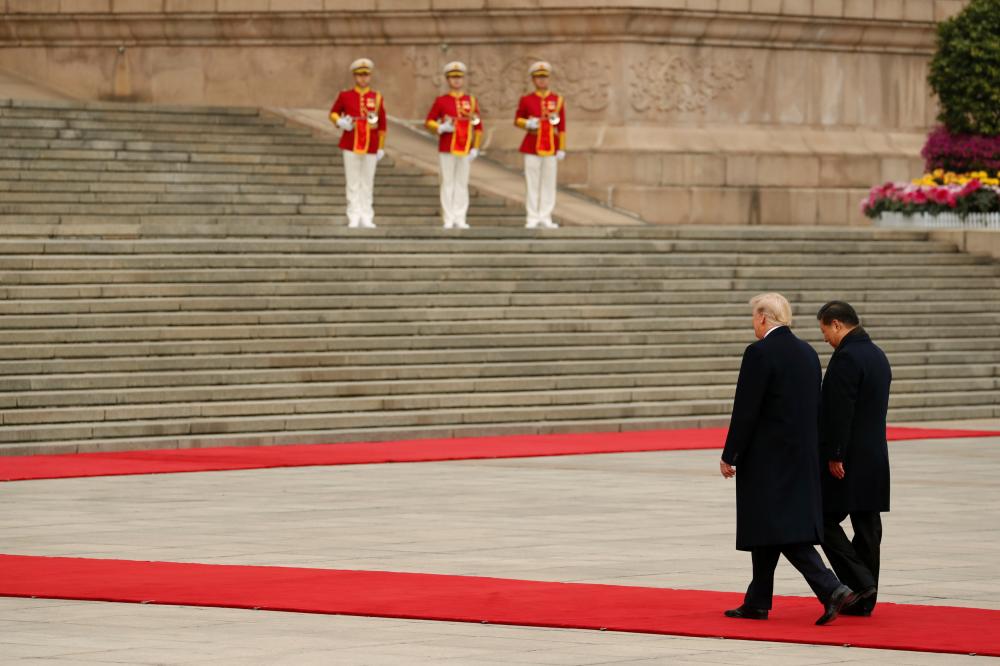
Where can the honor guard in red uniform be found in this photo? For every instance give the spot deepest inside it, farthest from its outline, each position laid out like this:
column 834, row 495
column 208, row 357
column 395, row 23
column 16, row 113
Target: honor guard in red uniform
column 361, row 114
column 543, row 114
column 455, row 119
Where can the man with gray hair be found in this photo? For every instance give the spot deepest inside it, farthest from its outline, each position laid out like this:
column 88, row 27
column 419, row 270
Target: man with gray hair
column 773, row 442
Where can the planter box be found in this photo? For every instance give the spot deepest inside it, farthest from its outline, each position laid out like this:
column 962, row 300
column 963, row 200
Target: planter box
column 989, row 221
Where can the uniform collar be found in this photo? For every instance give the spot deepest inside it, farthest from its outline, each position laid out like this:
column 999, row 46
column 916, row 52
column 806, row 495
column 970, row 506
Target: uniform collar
column 457, row 94
column 362, row 91
column 543, row 93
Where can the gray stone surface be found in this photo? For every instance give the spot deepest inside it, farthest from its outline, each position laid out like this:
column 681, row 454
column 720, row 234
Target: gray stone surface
column 650, row 519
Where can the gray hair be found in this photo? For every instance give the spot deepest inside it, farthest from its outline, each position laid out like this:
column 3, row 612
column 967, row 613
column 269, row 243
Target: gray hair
column 774, row 307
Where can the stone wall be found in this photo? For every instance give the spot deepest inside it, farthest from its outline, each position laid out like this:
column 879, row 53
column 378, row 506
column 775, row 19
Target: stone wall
column 716, row 111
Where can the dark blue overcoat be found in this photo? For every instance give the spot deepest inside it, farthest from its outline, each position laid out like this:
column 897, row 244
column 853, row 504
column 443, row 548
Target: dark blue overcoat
column 773, row 443
column 852, row 426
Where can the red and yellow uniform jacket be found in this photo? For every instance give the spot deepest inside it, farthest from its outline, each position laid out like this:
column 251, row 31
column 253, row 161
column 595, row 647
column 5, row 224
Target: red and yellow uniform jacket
column 550, row 137
column 358, row 103
column 463, row 109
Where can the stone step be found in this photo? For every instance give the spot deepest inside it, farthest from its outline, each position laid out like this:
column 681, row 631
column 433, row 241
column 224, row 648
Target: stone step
column 323, row 304
column 639, row 373
column 405, row 330
column 41, row 189
column 364, row 434
column 65, row 350
column 441, row 416
column 93, row 158
column 185, row 232
column 506, row 275
column 527, row 243
column 60, row 107
column 204, row 134
column 356, row 405
column 692, row 382
column 439, row 314
column 432, row 431
column 380, row 419
column 177, row 163
column 306, row 201
column 60, row 285
column 54, row 225
column 224, row 122
column 134, row 107
column 189, row 174
column 898, row 351
column 205, row 146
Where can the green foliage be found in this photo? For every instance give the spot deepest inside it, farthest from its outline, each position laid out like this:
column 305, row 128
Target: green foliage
column 965, row 71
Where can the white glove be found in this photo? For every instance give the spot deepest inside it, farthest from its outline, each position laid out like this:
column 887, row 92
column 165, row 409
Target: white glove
column 379, row 154
column 560, row 155
column 531, row 124
column 446, row 127
column 345, row 123
column 473, row 154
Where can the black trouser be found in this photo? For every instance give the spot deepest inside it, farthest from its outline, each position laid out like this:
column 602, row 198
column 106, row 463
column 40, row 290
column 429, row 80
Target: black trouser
column 856, row 561
column 803, row 557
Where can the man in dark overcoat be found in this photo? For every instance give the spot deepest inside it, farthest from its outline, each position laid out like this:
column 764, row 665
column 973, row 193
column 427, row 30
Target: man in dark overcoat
column 854, row 454
column 772, row 442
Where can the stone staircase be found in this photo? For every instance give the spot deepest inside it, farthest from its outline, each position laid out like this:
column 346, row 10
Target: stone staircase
column 143, row 328
column 122, row 165
column 185, row 341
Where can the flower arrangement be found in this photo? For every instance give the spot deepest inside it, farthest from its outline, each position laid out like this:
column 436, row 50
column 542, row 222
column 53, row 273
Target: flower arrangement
column 957, row 190
column 961, row 152
column 936, row 192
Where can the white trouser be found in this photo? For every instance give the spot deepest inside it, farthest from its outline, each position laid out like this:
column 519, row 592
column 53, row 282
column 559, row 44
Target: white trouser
column 454, row 188
column 540, row 182
column 359, row 173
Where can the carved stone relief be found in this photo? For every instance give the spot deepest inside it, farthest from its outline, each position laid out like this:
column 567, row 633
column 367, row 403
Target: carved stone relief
column 499, row 82
column 667, row 82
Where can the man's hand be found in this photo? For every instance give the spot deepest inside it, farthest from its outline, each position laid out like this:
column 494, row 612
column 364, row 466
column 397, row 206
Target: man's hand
column 379, row 154
column 473, row 154
column 837, row 469
column 531, row 124
column 727, row 470
column 560, row 155
column 446, row 127
column 345, row 123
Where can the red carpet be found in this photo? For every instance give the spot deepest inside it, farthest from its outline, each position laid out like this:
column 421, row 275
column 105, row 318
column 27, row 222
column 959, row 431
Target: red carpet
column 165, row 461
column 495, row 600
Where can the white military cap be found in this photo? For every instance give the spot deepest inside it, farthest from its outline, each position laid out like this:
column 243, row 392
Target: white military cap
column 540, row 68
column 362, row 66
column 455, row 68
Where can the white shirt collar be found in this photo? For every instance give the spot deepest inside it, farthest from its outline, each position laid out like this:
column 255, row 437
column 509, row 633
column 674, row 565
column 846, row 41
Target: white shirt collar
column 771, row 329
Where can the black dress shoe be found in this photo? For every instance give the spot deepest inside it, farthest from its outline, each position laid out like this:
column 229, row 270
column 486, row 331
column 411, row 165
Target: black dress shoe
column 856, row 610
column 861, row 606
column 745, row 612
column 842, row 596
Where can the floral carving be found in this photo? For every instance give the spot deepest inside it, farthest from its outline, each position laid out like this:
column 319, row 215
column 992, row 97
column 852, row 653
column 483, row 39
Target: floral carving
column 677, row 83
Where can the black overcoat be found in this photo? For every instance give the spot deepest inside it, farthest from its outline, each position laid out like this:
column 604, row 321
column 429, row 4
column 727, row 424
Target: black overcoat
column 773, row 444
column 852, row 426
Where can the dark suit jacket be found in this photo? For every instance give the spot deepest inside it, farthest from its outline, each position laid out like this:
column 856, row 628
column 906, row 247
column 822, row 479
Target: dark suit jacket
column 852, row 426
column 773, row 443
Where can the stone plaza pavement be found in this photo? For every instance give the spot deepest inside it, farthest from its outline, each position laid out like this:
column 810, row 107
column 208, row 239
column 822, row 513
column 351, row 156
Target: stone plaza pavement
column 650, row 519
